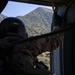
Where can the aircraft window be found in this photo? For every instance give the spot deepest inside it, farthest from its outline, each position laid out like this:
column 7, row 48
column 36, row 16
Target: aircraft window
column 37, row 19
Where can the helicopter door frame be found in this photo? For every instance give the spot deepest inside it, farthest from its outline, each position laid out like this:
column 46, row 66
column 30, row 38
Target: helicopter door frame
column 62, row 58
column 66, row 58
column 55, row 58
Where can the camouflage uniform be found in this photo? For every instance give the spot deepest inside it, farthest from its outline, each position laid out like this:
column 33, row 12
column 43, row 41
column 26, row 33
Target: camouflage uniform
column 23, row 56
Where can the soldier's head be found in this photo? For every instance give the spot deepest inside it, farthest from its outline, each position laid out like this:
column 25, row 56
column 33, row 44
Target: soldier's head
column 13, row 26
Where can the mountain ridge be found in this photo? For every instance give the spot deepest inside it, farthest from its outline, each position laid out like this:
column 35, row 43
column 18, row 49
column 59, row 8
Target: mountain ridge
column 37, row 21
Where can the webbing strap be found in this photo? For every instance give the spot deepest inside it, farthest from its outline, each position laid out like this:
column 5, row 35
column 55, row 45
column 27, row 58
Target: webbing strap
column 38, row 37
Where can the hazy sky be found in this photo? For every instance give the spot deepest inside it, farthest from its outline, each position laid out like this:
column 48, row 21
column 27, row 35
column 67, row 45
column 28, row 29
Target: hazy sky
column 14, row 9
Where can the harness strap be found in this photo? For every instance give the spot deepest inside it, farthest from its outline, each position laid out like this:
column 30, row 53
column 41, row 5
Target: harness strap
column 38, row 37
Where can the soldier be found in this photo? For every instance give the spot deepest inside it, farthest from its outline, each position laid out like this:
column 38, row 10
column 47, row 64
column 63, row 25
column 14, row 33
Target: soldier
column 22, row 59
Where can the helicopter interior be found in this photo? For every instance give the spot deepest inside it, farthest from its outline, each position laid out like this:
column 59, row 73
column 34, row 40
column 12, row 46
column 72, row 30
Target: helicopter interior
column 62, row 60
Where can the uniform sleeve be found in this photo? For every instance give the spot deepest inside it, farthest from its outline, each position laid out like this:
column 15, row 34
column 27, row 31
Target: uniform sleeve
column 36, row 47
column 48, row 43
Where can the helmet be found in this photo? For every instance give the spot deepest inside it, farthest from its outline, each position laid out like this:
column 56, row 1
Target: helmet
column 13, row 26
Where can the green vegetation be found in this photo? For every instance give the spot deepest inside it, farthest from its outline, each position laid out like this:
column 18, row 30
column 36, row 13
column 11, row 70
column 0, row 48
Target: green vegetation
column 38, row 21
column 45, row 57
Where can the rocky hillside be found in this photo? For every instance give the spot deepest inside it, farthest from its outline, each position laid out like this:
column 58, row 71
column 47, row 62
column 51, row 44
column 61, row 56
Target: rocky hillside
column 38, row 21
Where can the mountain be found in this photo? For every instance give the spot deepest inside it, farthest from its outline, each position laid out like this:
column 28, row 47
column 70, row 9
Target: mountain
column 38, row 21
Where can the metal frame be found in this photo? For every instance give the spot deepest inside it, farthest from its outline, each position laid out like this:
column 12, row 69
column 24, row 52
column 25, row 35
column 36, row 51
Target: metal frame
column 44, row 2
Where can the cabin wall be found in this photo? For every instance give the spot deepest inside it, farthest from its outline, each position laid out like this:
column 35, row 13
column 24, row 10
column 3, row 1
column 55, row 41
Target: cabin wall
column 69, row 42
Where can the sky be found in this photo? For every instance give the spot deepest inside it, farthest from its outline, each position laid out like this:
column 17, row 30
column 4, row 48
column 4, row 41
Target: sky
column 14, row 9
